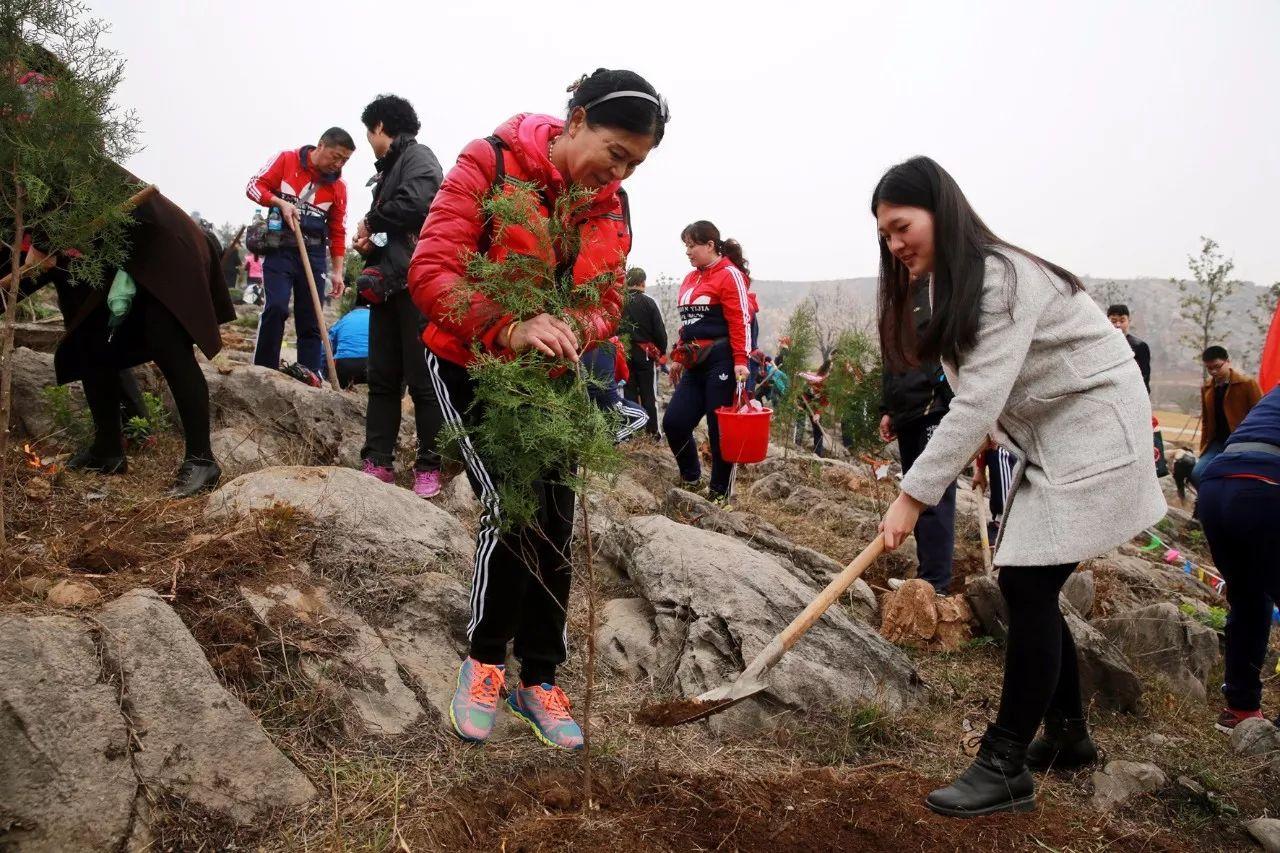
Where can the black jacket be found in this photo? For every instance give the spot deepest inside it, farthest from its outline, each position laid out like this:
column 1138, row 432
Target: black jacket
column 408, row 176
column 642, row 324
column 1142, row 355
column 911, row 395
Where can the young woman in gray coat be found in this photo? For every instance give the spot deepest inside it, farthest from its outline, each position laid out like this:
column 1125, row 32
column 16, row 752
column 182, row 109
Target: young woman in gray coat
column 1035, row 362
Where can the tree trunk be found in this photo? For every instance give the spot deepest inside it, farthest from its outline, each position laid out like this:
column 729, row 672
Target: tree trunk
column 591, row 651
column 6, row 343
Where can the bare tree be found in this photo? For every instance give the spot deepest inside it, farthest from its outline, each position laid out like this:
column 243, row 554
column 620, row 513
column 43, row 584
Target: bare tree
column 1111, row 293
column 1202, row 299
column 834, row 312
column 666, row 292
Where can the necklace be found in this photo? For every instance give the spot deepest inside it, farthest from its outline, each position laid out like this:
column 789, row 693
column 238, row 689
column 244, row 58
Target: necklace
column 551, row 146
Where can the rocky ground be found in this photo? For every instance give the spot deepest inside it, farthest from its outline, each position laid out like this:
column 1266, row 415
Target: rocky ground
column 265, row 668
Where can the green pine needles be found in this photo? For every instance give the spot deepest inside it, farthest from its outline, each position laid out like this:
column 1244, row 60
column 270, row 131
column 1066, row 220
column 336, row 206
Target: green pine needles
column 540, row 423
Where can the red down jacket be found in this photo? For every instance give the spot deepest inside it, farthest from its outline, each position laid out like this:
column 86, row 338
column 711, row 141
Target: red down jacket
column 455, row 225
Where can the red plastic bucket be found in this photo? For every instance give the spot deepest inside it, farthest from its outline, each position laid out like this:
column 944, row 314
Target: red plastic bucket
column 744, row 437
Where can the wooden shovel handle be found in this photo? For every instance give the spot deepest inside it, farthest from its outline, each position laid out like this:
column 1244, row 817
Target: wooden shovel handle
column 833, row 591
column 317, row 306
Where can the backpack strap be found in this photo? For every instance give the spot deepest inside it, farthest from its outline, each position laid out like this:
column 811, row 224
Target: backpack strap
column 499, row 178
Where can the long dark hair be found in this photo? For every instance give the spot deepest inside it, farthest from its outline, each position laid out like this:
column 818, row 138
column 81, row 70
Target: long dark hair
column 635, row 114
column 961, row 244
column 703, row 231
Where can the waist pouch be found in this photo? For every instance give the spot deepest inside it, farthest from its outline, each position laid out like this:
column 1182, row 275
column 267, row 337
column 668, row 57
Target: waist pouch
column 690, row 354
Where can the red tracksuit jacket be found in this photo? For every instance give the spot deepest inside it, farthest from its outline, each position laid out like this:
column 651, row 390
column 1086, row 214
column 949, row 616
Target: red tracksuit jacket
column 455, row 225
column 287, row 176
column 715, row 303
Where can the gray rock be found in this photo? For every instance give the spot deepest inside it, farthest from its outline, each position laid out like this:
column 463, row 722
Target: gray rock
column 1079, row 590
column 428, row 636
column 1255, row 737
column 365, row 523
column 806, row 564
column 362, row 671
column 66, row 780
column 458, row 498
column 1107, row 681
column 1266, row 831
column 316, row 425
column 1165, row 639
column 1116, row 783
column 1133, row 582
column 198, row 742
column 631, row 496
column 236, row 449
column 803, row 500
column 627, row 640
column 717, row 603
column 32, row 373
column 772, row 487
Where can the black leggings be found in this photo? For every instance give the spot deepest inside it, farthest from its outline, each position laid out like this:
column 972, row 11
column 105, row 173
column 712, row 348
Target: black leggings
column 167, row 343
column 1041, row 673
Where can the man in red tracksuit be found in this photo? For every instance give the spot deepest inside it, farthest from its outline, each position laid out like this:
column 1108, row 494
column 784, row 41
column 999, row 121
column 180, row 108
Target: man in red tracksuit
column 306, row 187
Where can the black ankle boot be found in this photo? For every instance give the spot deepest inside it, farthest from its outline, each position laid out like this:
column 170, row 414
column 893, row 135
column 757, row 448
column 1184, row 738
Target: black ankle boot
column 87, row 460
column 1065, row 745
column 997, row 781
column 195, row 476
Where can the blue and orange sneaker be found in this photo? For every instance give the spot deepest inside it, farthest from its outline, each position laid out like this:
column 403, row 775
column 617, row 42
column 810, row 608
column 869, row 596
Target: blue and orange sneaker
column 475, row 702
column 546, row 709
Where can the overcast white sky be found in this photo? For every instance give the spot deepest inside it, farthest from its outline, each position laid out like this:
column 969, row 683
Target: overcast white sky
column 1106, row 136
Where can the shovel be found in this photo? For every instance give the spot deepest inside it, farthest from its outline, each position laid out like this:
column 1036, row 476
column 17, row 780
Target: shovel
column 751, row 681
column 317, row 306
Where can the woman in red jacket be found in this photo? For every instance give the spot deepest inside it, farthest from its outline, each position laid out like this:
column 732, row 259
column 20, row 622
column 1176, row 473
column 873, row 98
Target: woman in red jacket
column 715, row 337
column 520, row 588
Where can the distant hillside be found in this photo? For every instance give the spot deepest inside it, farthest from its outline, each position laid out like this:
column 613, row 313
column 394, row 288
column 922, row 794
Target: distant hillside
column 1157, row 319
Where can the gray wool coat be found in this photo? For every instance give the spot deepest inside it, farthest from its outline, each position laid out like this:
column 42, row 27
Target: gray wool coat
column 1057, row 385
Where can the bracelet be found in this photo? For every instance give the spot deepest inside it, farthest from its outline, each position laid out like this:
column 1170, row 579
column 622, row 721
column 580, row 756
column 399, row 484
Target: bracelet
column 511, row 330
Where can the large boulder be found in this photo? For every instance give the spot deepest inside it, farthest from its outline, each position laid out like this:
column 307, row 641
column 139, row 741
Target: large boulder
column 359, row 668
column 290, row 419
column 32, row 373
column 198, row 742
column 427, row 636
column 1079, row 590
column 717, row 603
column 66, row 780
column 1107, row 680
column 808, row 565
column 1163, row 638
column 367, row 524
column 1127, row 582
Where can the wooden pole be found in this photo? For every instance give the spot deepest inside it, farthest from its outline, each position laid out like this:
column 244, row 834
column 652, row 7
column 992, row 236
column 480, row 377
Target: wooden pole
column 318, row 306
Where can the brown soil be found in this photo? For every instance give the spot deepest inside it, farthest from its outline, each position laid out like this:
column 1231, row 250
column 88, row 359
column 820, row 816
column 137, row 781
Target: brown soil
column 879, row 808
column 679, row 711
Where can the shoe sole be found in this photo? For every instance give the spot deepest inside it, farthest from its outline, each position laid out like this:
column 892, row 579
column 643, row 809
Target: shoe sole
column 1025, row 804
column 536, row 731
column 1226, row 730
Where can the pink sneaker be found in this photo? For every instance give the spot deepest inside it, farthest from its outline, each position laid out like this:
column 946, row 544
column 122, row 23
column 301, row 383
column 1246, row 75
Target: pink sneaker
column 379, row 472
column 426, row 484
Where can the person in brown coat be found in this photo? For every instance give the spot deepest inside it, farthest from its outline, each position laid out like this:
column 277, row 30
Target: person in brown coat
column 180, row 300
column 1227, row 396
